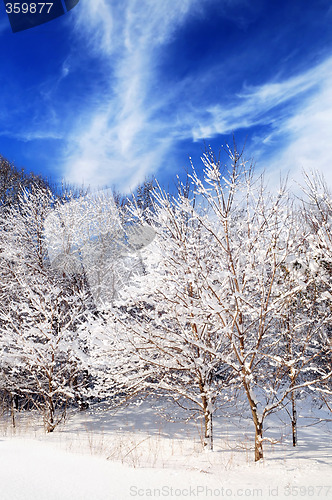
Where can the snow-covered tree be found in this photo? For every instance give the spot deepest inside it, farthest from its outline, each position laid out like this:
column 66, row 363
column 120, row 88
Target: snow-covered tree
column 39, row 313
column 317, row 213
column 169, row 341
column 258, row 243
column 12, row 181
column 91, row 237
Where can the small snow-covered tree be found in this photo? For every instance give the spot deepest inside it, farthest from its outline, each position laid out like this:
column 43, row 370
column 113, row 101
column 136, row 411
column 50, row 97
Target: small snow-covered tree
column 42, row 348
column 165, row 325
column 39, row 322
column 91, row 237
column 304, row 342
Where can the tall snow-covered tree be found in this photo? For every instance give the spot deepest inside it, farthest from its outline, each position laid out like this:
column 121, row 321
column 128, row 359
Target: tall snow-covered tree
column 317, row 211
column 165, row 322
column 257, row 243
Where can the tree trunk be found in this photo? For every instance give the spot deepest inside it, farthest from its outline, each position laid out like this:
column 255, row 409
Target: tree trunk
column 12, row 404
column 258, row 422
column 292, row 385
column 294, row 420
column 50, row 410
column 208, row 429
column 208, row 426
column 50, row 417
column 258, row 441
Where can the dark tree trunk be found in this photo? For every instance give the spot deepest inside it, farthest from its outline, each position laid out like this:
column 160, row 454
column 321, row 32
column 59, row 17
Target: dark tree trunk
column 258, row 441
column 294, row 420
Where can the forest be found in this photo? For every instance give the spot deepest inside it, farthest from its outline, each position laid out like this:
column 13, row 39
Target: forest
column 215, row 294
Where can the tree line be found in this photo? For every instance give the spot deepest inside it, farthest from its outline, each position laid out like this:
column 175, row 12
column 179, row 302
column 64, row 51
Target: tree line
column 218, row 292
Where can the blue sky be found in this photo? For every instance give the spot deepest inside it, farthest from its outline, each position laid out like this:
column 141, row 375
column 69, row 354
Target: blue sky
column 117, row 90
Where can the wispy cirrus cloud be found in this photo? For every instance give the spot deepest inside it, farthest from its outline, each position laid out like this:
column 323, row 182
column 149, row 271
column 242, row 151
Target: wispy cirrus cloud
column 138, row 118
column 304, row 136
column 296, row 115
column 267, row 104
column 117, row 91
column 123, row 138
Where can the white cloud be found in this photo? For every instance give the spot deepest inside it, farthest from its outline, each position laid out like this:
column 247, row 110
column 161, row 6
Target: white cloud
column 257, row 105
column 125, row 137
column 298, row 115
column 31, row 135
column 307, row 134
column 301, row 134
column 65, row 70
column 122, row 140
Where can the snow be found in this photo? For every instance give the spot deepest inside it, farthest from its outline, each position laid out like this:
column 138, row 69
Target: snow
column 136, row 453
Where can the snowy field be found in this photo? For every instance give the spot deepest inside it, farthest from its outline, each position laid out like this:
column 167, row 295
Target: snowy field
column 137, row 453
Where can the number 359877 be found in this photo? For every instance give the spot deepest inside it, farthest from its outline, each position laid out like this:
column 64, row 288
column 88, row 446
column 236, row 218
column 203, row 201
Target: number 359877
column 28, row 8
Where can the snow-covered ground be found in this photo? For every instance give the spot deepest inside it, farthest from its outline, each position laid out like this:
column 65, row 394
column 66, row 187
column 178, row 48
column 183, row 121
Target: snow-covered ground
column 136, row 453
